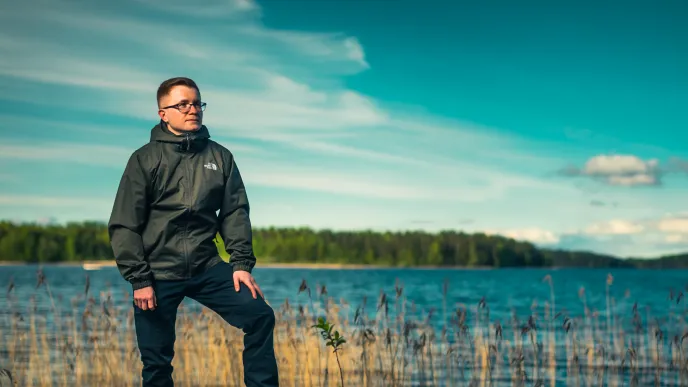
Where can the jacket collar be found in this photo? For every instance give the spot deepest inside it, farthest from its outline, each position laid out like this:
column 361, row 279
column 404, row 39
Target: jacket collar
column 186, row 142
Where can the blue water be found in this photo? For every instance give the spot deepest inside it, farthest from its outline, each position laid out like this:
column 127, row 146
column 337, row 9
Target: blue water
column 504, row 291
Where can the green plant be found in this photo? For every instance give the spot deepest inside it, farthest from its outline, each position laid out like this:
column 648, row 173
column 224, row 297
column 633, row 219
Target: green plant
column 335, row 341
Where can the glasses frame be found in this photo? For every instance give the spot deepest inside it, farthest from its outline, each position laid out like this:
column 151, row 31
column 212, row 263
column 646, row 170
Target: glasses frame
column 185, row 107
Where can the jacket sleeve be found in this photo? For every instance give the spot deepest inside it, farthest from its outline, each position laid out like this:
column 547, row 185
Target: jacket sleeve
column 235, row 225
column 127, row 221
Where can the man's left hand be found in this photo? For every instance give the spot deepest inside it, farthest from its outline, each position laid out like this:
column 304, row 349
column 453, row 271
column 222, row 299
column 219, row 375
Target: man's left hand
column 247, row 279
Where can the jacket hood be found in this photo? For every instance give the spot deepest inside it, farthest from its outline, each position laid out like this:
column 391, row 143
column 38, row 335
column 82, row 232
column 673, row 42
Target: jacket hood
column 185, row 142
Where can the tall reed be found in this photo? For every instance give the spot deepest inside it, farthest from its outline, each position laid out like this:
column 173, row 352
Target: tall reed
column 387, row 344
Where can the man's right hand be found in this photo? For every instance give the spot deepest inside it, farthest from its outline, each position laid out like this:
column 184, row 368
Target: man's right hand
column 144, row 298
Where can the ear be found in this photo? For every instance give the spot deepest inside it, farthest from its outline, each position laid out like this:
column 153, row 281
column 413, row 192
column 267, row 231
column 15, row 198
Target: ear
column 162, row 115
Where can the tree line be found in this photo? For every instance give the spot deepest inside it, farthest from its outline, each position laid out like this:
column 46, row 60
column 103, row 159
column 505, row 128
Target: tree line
column 74, row 242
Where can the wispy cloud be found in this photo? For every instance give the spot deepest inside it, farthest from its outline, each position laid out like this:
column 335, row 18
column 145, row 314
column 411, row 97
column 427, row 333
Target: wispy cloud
column 253, row 95
column 90, row 154
column 53, row 201
column 54, row 208
column 277, row 99
column 259, row 172
column 83, row 153
column 213, row 9
column 373, row 184
column 329, row 47
column 24, row 123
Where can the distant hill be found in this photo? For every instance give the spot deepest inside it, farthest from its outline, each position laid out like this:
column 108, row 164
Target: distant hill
column 89, row 241
column 566, row 258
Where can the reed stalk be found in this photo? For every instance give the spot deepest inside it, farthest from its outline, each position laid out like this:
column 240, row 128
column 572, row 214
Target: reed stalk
column 389, row 345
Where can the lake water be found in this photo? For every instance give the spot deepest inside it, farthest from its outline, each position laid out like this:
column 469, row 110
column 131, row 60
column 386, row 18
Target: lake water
column 506, row 292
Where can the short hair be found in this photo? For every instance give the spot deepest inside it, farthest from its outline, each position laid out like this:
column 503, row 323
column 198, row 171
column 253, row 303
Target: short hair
column 168, row 84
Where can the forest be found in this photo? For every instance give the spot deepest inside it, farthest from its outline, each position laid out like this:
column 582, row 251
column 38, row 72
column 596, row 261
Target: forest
column 89, row 241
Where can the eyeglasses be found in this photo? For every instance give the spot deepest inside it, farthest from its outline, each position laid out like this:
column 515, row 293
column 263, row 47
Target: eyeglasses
column 185, row 107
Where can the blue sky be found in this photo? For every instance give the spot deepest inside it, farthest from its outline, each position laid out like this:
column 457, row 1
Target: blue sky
column 557, row 123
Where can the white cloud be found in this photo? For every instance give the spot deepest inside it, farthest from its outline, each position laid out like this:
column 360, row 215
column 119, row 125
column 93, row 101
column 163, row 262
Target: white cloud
column 645, row 237
column 673, row 225
column 622, row 170
column 626, row 170
column 534, row 235
column 618, row 165
column 614, row 227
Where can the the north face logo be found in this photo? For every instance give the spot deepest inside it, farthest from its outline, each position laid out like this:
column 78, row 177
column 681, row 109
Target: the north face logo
column 211, row 166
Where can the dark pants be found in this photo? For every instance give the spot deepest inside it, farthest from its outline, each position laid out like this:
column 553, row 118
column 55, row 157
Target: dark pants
column 155, row 329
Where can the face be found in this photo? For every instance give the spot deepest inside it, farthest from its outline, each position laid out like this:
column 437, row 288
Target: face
column 181, row 121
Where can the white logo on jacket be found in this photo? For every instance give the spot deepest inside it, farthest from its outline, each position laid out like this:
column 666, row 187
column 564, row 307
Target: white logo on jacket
column 211, row 166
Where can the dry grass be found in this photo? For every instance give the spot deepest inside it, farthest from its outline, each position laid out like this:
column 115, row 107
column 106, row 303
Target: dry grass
column 94, row 344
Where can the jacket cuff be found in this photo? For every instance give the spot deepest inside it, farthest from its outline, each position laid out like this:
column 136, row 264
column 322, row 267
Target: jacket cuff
column 140, row 284
column 242, row 266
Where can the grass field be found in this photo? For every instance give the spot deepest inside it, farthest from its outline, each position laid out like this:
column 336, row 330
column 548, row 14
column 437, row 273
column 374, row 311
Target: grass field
column 95, row 345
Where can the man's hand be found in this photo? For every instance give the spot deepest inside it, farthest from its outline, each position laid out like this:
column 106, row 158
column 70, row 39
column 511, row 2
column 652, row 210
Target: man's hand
column 246, row 278
column 145, row 299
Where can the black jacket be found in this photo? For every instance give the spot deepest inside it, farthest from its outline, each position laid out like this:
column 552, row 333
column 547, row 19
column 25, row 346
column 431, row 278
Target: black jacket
column 176, row 194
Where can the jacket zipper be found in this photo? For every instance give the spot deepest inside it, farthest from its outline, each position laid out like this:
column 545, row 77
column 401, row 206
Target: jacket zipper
column 188, row 207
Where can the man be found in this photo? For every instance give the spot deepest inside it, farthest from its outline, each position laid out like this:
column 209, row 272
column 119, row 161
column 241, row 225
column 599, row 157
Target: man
column 176, row 193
